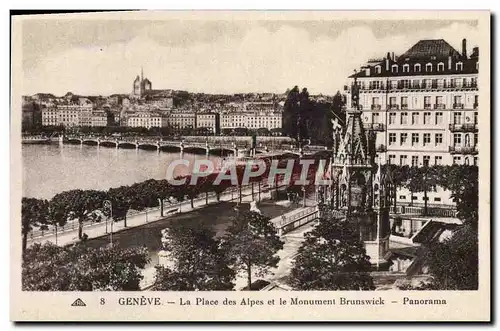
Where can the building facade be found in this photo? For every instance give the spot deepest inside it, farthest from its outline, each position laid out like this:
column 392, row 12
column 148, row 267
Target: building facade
column 424, row 105
column 251, row 120
column 211, row 121
column 146, row 120
column 182, row 120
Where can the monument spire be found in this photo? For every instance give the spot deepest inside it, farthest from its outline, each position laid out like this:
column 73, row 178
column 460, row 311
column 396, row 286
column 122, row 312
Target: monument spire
column 142, row 73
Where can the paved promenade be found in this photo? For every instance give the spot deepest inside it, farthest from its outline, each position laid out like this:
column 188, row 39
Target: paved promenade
column 96, row 230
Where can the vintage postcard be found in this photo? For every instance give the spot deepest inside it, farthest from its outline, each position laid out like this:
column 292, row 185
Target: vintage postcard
column 251, row 166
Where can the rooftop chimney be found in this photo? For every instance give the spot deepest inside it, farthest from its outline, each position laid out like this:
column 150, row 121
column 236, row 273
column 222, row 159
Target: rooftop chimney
column 464, row 48
column 393, row 58
column 387, row 61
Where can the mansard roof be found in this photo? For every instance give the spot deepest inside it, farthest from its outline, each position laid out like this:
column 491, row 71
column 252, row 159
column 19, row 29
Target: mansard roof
column 428, row 48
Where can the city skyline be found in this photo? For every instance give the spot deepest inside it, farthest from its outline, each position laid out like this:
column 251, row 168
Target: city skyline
column 198, row 56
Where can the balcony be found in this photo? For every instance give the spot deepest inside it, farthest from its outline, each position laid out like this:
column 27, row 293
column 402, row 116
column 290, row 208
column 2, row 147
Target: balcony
column 376, row 107
column 404, row 106
column 458, row 106
column 374, row 126
column 466, row 127
column 427, row 106
column 440, row 106
column 463, row 150
column 381, row 148
column 391, row 107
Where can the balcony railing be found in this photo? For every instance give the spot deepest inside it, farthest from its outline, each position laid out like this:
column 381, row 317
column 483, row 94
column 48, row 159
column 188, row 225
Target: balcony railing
column 439, row 106
column 404, row 106
column 374, row 126
column 376, row 107
column 458, row 106
column 466, row 127
column 463, row 150
column 381, row 148
column 427, row 106
column 393, row 106
column 422, row 86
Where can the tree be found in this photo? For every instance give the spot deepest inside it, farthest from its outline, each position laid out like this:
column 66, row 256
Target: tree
column 198, row 262
column 78, row 204
column 332, row 258
column 252, row 242
column 34, row 212
column 49, row 267
column 291, row 113
column 454, row 262
column 462, row 181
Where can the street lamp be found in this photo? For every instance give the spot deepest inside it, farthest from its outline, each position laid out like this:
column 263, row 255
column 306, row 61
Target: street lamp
column 109, row 205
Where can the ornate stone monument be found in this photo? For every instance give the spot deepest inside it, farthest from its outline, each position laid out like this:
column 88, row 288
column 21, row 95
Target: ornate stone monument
column 359, row 188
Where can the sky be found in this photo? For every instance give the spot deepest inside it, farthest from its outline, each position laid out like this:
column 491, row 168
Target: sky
column 102, row 57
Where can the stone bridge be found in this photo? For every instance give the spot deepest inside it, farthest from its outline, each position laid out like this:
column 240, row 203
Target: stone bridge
column 222, row 148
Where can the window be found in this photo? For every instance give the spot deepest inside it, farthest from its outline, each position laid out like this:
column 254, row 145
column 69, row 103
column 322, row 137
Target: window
column 427, row 160
column 395, row 68
column 439, row 102
column 438, row 160
column 392, row 102
column 439, row 117
column 378, row 69
column 406, row 68
column 457, row 118
column 405, row 83
column 437, row 199
column 375, row 85
column 428, row 67
column 375, row 103
column 402, row 160
column 427, row 102
column 403, row 138
column 475, row 160
column 414, row 139
column 476, row 138
column 427, row 138
column 438, row 138
column 457, row 139
column 394, row 84
column 402, row 197
column 392, row 138
column 404, row 118
column 459, row 66
column 392, row 158
column 475, row 117
column 417, row 67
column 457, row 82
column 440, row 66
column 476, row 101
column 404, row 102
column 392, row 118
column 414, row 118
column 427, row 118
column 416, row 83
column 414, row 161
column 457, row 160
column 375, row 118
column 414, row 197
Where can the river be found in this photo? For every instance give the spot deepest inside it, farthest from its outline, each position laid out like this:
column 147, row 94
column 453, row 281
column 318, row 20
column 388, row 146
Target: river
column 51, row 169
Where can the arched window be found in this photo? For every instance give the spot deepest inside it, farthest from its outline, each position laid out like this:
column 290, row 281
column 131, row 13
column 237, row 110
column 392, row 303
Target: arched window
column 417, row 67
column 395, row 68
column 459, row 66
column 406, row 68
column 378, row 69
column 441, row 66
column 428, row 67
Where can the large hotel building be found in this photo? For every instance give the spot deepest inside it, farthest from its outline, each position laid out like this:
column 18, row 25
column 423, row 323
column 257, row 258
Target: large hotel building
column 424, row 107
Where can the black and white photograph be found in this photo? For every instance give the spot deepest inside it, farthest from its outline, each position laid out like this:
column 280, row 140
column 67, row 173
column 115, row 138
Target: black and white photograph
column 252, row 154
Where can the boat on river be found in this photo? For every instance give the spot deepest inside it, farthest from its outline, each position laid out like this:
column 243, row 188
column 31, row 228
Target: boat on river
column 35, row 140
